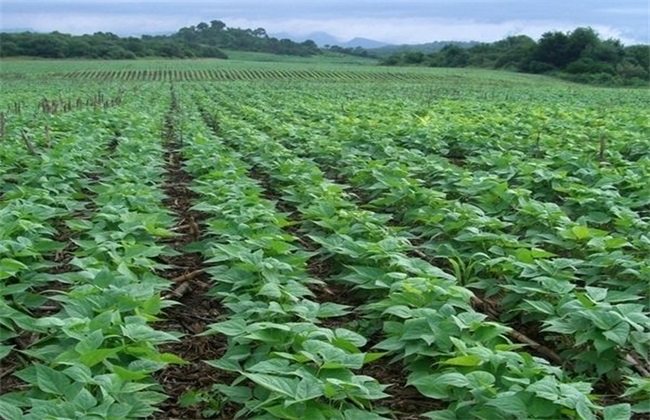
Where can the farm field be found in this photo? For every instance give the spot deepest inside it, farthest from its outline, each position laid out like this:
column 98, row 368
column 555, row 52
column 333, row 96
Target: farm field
column 230, row 239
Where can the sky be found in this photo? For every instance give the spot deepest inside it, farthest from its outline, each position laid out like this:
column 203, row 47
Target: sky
column 388, row 21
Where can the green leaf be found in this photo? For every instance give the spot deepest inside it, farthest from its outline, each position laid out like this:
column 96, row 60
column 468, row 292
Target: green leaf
column 79, row 373
column 10, row 267
column 371, row 357
column 91, row 358
column 79, row 224
column 619, row 333
column 271, row 290
column 284, row 386
column 400, row 311
column 542, row 306
column 308, row 388
column 4, row 351
column 50, row 380
column 545, row 388
column 170, row 358
column 238, row 394
column 232, row 327
column 91, row 342
column 10, row 411
column 440, row 415
column 355, row 338
column 510, row 404
column 277, row 366
column 617, row 412
column 128, row 375
column 435, row 386
column 581, row 232
column 469, row 360
column 584, row 412
column 143, row 332
column 85, row 400
column 597, row 294
column 480, row 380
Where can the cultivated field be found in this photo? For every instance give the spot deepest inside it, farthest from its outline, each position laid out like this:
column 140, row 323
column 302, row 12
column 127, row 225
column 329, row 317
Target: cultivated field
column 221, row 239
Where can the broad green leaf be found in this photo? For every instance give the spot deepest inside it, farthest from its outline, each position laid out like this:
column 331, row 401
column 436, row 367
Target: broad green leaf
column 619, row 334
column 85, row 400
column 480, row 380
column 510, row 404
column 271, row 290
column 401, row 311
column 542, row 306
column 4, row 351
column 356, row 414
column 232, row 327
column 273, row 366
column 10, row 412
column 545, row 388
column 93, row 357
column 435, row 386
column 129, row 375
column 9, row 267
column 79, row 224
column 90, row 342
column 355, row 338
column 140, row 332
column 79, row 373
column 284, row 386
column 50, row 380
column 308, row 389
column 584, row 412
column 581, row 232
column 441, row 415
column 617, row 412
column 597, row 294
column 238, row 394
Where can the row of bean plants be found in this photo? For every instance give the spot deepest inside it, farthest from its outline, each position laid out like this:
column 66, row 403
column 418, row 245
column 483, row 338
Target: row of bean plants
column 92, row 355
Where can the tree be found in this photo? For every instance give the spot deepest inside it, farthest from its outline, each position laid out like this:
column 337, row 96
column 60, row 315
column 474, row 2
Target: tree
column 217, row 25
column 580, row 41
column 552, row 49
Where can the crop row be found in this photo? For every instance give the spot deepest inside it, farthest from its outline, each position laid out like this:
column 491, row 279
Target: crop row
column 242, row 74
column 79, row 319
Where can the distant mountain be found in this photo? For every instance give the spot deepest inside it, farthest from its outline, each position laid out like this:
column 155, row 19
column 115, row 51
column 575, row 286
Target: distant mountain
column 323, row 38
column 320, row 38
column 363, row 43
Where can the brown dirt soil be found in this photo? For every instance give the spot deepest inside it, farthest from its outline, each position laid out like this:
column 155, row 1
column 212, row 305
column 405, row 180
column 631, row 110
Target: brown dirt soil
column 196, row 310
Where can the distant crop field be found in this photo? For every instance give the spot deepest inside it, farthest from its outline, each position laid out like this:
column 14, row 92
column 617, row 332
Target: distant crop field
column 310, row 240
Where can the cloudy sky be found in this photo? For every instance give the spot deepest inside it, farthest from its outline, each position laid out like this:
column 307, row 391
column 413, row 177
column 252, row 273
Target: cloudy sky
column 384, row 20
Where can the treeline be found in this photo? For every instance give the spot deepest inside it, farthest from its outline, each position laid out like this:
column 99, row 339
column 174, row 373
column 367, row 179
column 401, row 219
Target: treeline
column 217, row 34
column 580, row 55
column 103, row 45
column 203, row 41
